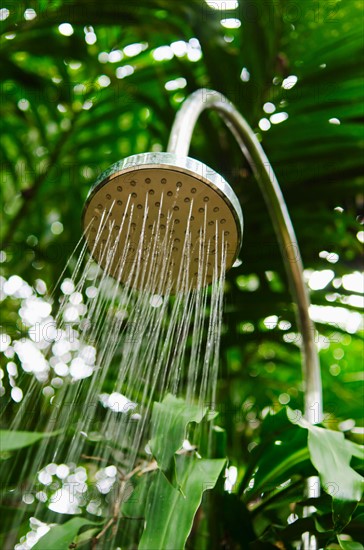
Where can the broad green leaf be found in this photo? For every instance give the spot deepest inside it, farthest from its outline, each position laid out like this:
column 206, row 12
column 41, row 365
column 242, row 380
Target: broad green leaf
column 290, row 444
column 169, row 423
column 169, row 514
column 282, row 452
column 134, row 507
column 61, row 536
column 349, row 545
column 288, row 457
column 342, row 510
column 331, row 454
column 10, row 441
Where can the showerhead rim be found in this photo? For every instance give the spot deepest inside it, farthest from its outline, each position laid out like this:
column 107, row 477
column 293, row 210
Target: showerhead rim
column 183, row 165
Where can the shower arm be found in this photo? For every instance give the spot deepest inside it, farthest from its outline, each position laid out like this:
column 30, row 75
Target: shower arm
column 179, row 144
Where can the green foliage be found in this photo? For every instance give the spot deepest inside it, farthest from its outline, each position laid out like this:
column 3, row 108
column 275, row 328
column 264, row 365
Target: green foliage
column 62, row 124
column 331, row 455
column 10, row 440
column 60, row 537
column 171, row 416
column 348, row 545
column 168, row 507
column 169, row 511
column 290, row 450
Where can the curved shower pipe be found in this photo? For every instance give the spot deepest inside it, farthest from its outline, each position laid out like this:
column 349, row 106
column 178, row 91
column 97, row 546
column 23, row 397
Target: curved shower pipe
column 179, row 144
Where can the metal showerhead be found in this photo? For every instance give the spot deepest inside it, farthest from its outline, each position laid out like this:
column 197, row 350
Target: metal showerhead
column 163, row 195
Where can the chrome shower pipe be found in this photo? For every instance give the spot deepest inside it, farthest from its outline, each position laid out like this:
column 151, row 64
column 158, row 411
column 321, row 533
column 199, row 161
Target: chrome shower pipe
column 179, row 144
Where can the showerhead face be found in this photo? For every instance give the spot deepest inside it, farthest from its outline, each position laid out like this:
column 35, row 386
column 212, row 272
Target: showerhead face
column 159, row 222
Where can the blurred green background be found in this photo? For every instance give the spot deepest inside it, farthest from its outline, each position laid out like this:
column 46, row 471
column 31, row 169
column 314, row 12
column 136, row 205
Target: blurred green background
column 85, row 83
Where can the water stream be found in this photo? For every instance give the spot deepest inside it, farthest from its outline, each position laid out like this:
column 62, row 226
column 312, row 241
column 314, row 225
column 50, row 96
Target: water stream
column 123, row 336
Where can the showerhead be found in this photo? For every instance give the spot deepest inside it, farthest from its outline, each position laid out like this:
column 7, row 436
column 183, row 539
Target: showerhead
column 204, row 223
column 153, row 198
